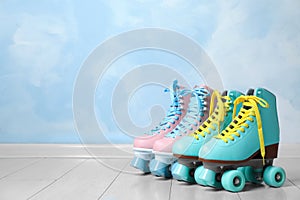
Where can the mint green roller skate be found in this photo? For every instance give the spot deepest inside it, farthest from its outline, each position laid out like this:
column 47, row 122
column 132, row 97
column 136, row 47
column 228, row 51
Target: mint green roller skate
column 245, row 150
column 187, row 148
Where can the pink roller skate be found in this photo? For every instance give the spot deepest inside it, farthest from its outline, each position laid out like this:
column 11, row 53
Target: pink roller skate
column 143, row 145
column 197, row 113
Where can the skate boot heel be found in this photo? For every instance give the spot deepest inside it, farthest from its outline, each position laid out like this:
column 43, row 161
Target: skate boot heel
column 269, row 117
column 271, row 152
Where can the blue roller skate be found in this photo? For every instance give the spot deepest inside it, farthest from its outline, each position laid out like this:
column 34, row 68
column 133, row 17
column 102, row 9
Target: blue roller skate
column 187, row 148
column 245, row 150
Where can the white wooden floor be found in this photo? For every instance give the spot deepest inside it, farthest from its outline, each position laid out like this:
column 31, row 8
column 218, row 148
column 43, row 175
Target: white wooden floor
column 69, row 172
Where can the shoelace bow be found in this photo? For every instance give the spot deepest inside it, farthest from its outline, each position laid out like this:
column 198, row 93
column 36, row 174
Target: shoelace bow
column 247, row 112
column 194, row 113
column 216, row 117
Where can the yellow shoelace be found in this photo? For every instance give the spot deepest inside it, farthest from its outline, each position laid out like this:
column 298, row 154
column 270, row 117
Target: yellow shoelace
column 215, row 117
column 249, row 109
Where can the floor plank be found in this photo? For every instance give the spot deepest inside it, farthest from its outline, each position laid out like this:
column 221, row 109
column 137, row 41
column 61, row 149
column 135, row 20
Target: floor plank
column 287, row 191
column 10, row 166
column 291, row 166
column 181, row 190
column 88, row 181
column 133, row 185
column 25, row 183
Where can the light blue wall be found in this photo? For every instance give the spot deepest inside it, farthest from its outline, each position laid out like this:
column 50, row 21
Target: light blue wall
column 44, row 43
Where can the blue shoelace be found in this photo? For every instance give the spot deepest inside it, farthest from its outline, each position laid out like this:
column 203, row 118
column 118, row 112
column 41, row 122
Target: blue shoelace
column 174, row 110
column 195, row 112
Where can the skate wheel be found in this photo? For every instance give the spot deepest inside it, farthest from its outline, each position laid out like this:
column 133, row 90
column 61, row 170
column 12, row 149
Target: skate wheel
column 198, row 175
column 140, row 164
column 233, row 180
column 173, row 166
column 160, row 169
column 274, row 176
column 251, row 175
column 207, row 177
column 182, row 173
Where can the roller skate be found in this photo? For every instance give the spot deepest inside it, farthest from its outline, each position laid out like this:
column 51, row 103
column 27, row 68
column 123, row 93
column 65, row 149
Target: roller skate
column 245, row 150
column 187, row 148
column 143, row 145
column 197, row 113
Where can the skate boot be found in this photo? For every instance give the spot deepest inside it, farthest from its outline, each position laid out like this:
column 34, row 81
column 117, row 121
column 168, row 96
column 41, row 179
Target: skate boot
column 245, row 150
column 187, row 148
column 143, row 145
column 197, row 113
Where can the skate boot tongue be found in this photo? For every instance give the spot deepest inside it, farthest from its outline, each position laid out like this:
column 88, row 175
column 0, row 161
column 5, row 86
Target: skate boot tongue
column 250, row 92
column 225, row 93
column 247, row 107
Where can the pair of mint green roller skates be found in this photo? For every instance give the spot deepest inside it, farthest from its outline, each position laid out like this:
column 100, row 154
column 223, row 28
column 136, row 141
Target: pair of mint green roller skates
column 235, row 145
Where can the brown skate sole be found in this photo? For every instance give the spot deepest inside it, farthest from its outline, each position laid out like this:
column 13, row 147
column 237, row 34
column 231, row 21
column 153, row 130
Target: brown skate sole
column 271, row 153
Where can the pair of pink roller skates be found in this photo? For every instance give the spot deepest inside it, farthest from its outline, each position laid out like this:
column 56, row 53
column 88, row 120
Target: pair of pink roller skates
column 189, row 108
